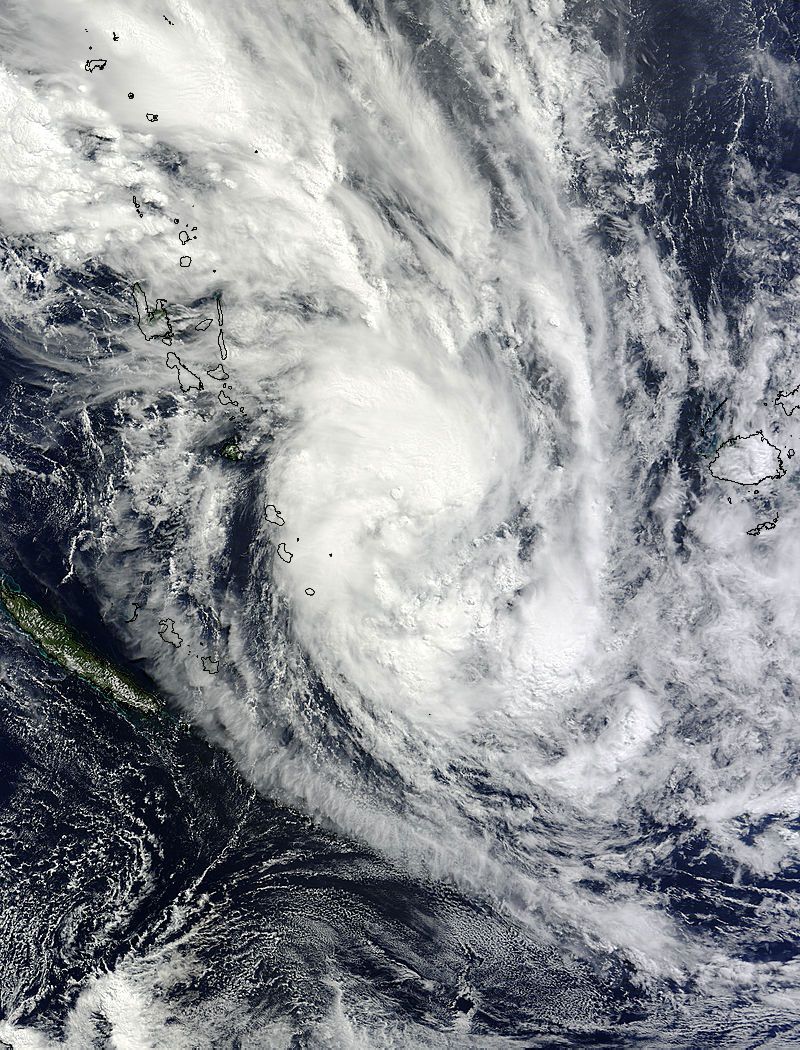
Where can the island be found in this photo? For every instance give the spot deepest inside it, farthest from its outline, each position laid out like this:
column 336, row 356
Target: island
column 63, row 646
column 153, row 324
column 232, row 451
column 168, row 634
column 186, row 377
column 789, row 400
column 747, row 459
column 763, row 526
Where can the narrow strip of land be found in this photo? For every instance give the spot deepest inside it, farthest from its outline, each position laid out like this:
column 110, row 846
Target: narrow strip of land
column 62, row 645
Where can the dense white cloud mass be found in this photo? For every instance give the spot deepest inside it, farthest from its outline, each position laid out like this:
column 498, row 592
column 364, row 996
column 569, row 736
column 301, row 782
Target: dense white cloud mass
column 543, row 658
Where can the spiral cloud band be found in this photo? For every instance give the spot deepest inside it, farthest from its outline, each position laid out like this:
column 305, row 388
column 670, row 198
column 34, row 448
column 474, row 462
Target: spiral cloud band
column 405, row 390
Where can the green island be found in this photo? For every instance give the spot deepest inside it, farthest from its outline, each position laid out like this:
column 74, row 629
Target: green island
column 232, row 451
column 152, row 323
column 62, row 645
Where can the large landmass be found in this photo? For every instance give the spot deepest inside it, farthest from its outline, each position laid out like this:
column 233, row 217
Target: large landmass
column 62, row 645
column 748, row 459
